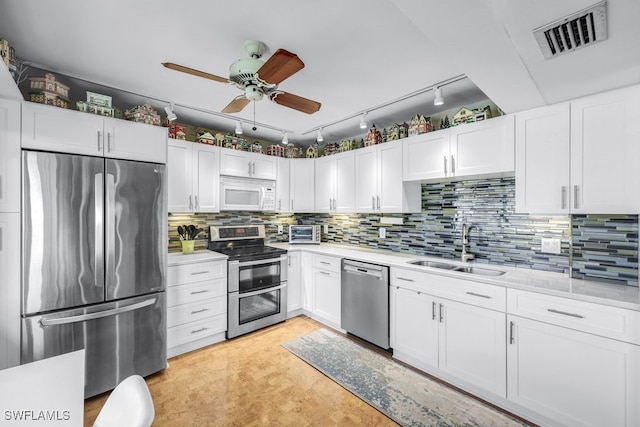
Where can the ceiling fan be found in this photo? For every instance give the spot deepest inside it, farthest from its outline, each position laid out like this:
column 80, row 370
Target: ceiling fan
column 258, row 78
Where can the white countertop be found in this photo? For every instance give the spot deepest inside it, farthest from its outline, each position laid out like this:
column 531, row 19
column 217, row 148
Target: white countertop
column 557, row 284
column 179, row 258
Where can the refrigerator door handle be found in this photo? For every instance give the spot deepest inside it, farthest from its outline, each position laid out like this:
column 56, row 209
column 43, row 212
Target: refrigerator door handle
column 44, row 322
column 110, row 228
column 98, row 256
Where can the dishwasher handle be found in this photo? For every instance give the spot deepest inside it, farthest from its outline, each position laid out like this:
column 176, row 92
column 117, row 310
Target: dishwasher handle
column 362, row 268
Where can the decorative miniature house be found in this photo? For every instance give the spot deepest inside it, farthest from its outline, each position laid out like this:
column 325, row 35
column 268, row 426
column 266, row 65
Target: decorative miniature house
column 206, row 138
column 312, row 151
column 419, row 124
column 404, row 130
column 256, row 147
column 330, row 148
column 177, row 131
column 482, row 113
column 46, row 90
column 373, row 137
column 293, row 152
column 346, row 145
column 220, row 139
column 464, row 115
column 96, row 104
column 394, row 132
column 276, row 150
column 143, row 114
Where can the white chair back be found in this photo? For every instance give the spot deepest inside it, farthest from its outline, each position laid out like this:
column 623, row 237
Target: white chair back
column 129, row 404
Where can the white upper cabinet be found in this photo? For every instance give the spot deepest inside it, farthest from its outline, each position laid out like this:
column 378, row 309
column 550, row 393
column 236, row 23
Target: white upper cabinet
column 379, row 184
column 473, row 149
column 302, row 185
column 56, row 129
column 580, row 157
column 193, row 178
column 248, row 165
column 9, row 156
column 283, row 180
column 335, row 183
column 542, row 160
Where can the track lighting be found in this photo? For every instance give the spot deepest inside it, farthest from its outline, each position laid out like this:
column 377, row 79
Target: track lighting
column 319, row 137
column 438, row 100
column 285, row 138
column 171, row 116
column 363, row 121
column 238, row 128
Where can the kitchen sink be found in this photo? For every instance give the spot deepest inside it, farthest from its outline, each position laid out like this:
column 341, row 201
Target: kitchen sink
column 462, row 269
column 433, row 264
column 479, row 271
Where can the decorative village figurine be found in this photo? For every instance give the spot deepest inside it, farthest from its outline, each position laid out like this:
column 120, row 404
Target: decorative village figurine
column 219, row 139
column 312, row 151
column 330, row 148
column 177, row 131
column 97, row 104
column 467, row 115
column 206, row 138
column 444, row 123
column 46, row 90
column 419, row 124
column 256, row 147
column 276, row 150
column 143, row 114
column 394, row 132
column 293, row 152
column 373, row 137
column 404, row 130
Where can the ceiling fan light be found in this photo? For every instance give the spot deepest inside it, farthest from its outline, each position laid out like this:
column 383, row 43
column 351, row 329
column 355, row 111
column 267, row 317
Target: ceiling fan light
column 319, row 136
column 238, row 128
column 438, row 100
column 363, row 121
column 253, row 93
column 171, row 116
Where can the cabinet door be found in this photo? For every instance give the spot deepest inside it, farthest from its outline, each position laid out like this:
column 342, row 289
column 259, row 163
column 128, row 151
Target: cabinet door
column 473, row 345
column 605, row 152
column 179, row 176
column 325, row 184
column 235, row 163
column 484, row 147
column 283, row 194
column 414, row 327
column 572, row 377
column 9, row 156
column 294, row 282
column 426, row 156
column 395, row 195
column 302, row 185
column 55, row 129
column 206, row 178
column 9, row 290
column 542, row 160
column 307, row 281
column 263, row 166
column 345, row 184
column 135, row 141
column 326, row 295
column 366, row 180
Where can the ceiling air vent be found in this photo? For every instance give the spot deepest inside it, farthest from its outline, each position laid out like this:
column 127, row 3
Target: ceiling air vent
column 573, row 32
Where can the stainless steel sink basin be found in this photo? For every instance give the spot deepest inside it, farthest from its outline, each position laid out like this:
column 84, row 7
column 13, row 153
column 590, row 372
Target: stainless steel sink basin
column 479, row 271
column 433, row 264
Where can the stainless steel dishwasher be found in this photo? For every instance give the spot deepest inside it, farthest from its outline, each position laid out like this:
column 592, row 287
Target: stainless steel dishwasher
column 365, row 301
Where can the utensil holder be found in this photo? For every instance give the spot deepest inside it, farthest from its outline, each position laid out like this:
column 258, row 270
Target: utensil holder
column 188, row 246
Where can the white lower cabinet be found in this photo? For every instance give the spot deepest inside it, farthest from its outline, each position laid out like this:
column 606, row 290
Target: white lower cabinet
column 294, row 281
column 196, row 303
column 9, row 290
column 325, row 289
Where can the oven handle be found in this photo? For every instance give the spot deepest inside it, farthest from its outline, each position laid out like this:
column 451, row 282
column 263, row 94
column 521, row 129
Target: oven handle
column 260, row 261
column 262, row 291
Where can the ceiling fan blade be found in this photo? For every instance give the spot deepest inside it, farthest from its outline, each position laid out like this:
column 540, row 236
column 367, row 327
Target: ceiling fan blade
column 236, row 105
column 194, row 72
column 294, row 101
column 280, row 66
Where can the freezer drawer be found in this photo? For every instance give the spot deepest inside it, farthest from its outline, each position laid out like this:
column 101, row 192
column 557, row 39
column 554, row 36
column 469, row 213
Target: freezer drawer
column 120, row 338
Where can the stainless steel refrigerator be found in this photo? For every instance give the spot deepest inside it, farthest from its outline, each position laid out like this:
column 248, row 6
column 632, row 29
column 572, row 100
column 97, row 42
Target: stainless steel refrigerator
column 93, row 264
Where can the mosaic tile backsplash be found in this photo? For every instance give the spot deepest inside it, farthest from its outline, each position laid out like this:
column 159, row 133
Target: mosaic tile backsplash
column 595, row 247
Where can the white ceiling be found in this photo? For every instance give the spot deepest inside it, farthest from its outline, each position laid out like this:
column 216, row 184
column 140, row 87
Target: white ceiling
column 359, row 54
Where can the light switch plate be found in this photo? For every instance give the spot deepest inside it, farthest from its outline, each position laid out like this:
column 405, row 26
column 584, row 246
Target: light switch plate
column 326, row 228
column 382, row 233
column 551, row 246
column 280, row 229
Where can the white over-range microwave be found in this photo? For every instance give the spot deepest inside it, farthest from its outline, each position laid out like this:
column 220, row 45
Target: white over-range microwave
column 247, row 194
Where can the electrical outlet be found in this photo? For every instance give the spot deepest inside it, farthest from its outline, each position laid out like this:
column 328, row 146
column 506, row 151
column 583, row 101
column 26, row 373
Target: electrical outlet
column 551, row 246
column 326, row 228
column 280, row 229
column 382, row 233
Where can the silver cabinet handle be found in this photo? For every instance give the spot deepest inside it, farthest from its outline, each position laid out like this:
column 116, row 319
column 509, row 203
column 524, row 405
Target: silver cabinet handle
column 478, row 295
column 325, row 263
column 99, row 137
column 190, row 203
column 433, row 310
column 511, row 328
column 197, row 203
column 378, row 199
column 406, row 280
column 564, row 313
column 204, row 291
column 445, row 165
column 253, row 170
column 108, row 142
column 453, row 165
column 373, row 203
column 575, row 196
column 441, row 314
column 563, row 197
column 202, row 310
column 195, row 331
column 291, row 205
column 199, row 272
column 325, row 273
column 279, row 204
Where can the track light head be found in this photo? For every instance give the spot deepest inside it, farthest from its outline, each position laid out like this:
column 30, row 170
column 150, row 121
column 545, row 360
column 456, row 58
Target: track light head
column 319, row 136
column 238, row 128
column 285, row 138
column 171, row 116
column 438, row 100
column 363, row 121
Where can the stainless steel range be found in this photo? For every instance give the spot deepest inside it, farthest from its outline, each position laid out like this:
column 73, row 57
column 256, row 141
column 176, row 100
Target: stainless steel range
column 257, row 278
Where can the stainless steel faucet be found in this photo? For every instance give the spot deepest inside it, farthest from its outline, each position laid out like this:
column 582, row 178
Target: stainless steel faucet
column 465, row 241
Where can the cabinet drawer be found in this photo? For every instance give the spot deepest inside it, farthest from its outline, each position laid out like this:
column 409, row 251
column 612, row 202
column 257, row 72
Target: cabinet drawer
column 611, row 322
column 198, row 272
column 327, row 262
column 185, row 313
column 195, row 292
column 192, row 331
column 457, row 289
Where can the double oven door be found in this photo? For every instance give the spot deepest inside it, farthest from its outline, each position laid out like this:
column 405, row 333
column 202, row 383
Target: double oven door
column 257, row 294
